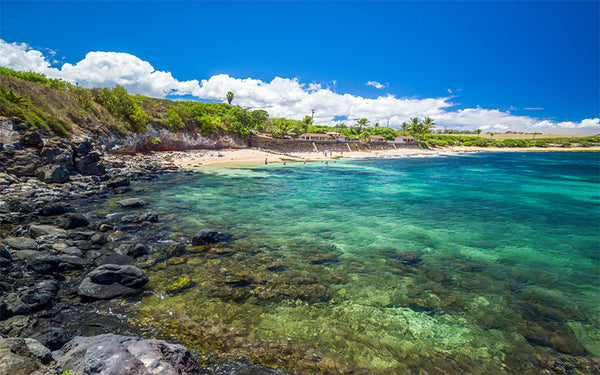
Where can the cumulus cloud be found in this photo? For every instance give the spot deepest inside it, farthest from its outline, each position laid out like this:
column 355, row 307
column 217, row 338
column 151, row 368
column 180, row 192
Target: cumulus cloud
column 281, row 97
column 375, row 84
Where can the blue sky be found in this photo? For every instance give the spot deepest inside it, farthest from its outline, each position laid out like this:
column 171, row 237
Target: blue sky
column 487, row 64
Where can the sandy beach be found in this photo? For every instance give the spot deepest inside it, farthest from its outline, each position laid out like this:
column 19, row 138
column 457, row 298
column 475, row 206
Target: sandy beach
column 199, row 158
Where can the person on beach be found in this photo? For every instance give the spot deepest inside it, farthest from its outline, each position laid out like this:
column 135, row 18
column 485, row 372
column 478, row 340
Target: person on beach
column 266, row 161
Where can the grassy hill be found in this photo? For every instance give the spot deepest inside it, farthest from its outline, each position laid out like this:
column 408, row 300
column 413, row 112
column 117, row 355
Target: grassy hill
column 66, row 109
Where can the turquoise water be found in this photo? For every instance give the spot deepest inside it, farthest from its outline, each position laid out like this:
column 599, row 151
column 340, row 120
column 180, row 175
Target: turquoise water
column 476, row 263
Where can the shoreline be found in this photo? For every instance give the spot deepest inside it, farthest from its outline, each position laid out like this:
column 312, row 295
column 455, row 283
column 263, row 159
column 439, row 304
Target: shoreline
column 203, row 158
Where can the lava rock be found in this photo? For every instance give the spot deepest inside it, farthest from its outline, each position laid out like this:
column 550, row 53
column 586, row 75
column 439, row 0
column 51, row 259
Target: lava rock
column 137, row 250
column 239, row 367
column 57, row 152
column 112, row 280
column 207, row 236
column 131, row 203
column 81, row 146
column 39, row 261
column 118, row 182
column 89, row 164
column 32, row 138
column 146, row 216
column 23, row 356
column 36, row 231
column 54, row 209
column 71, row 220
column 112, row 354
column 54, row 338
column 20, row 163
column 113, row 258
column 40, row 294
column 20, row 243
column 52, row 174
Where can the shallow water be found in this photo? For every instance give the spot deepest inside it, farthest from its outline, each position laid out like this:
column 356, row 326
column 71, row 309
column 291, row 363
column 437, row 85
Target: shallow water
column 478, row 263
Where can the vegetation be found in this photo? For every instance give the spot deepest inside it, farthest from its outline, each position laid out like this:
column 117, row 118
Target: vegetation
column 62, row 108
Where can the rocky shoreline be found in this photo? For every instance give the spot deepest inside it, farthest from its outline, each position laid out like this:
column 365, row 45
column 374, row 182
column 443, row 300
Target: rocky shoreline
column 64, row 273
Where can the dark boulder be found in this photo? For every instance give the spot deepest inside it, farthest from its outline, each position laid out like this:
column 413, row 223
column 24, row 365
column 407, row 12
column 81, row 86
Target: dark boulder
column 207, row 236
column 40, row 294
column 52, row 174
column 117, row 182
column 40, row 262
column 32, row 138
column 54, row 338
column 131, row 203
column 58, row 152
column 71, row 220
column 137, row 250
column 81, row 146
column 11, row 305
column 54, row 209
column 72, row 263
column 112, row 280
column 112, row 354
column 90, row 164
column 113, row 258
column 20, row 162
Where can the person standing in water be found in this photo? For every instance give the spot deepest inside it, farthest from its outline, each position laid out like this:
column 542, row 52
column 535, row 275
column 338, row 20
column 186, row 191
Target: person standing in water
column 266, row 161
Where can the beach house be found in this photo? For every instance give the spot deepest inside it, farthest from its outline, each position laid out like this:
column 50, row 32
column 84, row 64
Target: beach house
column 404, row 139
column 335, row 136
column 376, row 139
column 313, row 137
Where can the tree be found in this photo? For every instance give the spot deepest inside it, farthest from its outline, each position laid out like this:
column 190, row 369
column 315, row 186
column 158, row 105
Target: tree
column 405, row 126
column 428, row 121
column 418, row 128
column 308, row 121
column 360, row 123
column 478, row 131
column 229, row 97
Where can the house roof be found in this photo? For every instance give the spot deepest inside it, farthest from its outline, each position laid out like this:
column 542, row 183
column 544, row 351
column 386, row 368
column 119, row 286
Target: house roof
column 314, row 135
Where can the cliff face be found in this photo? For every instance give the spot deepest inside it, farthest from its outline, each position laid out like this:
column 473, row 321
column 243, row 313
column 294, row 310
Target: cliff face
column 159, row 139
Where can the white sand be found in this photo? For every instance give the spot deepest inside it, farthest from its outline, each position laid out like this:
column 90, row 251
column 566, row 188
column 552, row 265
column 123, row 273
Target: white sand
column 198, row 158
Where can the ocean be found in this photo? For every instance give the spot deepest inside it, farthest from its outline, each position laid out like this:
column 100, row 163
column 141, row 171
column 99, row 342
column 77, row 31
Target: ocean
column 455, row 263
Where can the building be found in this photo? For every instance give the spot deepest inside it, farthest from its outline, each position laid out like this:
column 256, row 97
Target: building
column 313, row 137
column 375, row 139
column 335, row 136
column 404, row 139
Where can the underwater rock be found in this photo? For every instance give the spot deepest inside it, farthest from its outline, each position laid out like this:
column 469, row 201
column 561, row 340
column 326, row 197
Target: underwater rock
column 239, row 367
column 112, row 280
column 131, row 203
column 112, row 354
column 137, row 250
column 407, row 258
column 324, row 258
column 180, row 284
column 207, row 236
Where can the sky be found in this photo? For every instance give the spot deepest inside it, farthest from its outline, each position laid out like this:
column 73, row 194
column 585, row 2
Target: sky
column 492, row 65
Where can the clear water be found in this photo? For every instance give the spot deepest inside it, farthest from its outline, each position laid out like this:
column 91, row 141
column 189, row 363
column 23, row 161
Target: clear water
column 477, row 263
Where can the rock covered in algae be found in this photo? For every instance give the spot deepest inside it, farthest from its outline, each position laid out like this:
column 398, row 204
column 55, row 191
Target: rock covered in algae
column 180, row 284
column 208, row 236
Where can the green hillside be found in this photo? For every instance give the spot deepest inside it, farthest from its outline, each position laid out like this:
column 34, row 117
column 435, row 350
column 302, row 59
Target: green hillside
column 66, row 109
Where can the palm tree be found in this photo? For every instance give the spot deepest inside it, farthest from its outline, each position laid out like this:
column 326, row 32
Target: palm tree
column 428, row 121
column 360, row 123
column 405, row 126
column 229, row 97
column 478, row 131
column 308, row 121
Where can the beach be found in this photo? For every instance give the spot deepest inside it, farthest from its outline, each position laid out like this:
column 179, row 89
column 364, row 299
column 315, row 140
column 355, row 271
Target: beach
column 199, row 158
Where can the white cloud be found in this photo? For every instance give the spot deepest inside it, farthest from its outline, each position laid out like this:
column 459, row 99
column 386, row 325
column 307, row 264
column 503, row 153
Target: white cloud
column 375, row 84
column 281, row 97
